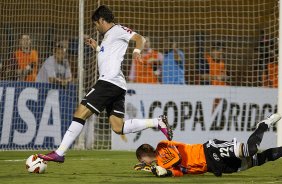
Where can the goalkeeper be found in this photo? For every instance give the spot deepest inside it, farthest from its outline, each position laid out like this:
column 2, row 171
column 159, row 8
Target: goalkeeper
column 176, row 159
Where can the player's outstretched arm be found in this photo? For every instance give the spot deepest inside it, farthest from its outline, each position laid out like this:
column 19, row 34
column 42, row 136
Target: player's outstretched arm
column 161, row 172
column 139, row 45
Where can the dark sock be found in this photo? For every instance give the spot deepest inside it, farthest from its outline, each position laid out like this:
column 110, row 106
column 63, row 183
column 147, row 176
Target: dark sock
column 254, row 140
column 268, row 155
column 79, row 120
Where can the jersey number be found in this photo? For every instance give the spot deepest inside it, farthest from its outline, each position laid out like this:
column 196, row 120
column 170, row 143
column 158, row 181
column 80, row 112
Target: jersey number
column 126, row 29
column 224, row 152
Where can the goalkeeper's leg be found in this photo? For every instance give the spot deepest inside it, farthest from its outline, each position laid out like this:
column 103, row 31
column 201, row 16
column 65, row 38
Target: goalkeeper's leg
column 259, row 159
column 251, row 148
column 271, row 154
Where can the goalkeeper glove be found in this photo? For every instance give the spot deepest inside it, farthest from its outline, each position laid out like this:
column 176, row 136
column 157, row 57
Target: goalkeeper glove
column 142, row 166
column 161, row 172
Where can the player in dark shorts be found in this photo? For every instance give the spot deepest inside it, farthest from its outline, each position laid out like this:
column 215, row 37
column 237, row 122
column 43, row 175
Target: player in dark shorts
column 172, row 158
column 109, row 92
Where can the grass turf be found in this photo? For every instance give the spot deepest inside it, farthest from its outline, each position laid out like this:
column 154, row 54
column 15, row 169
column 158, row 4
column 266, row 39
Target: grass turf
column 116, row 167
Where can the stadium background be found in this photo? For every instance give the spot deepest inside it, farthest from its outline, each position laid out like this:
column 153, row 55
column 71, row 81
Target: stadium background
column 238, row 25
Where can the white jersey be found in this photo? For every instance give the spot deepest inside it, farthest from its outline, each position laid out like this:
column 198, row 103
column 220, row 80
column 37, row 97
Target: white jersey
column 111, row 55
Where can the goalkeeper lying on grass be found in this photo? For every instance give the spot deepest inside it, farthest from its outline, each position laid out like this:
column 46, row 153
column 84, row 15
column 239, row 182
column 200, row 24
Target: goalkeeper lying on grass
column 176, row 159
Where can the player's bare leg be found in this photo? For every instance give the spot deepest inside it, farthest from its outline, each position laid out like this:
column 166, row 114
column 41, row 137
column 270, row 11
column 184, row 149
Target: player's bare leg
column 135, row 125
column 118, row 126
column 251, row 148
column 80, row 115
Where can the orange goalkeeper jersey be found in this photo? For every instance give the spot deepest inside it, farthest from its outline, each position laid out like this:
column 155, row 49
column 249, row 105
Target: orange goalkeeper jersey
column 181, row 158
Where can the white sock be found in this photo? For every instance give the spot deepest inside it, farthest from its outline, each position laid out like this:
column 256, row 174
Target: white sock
column 136, row 125
column 71, row 134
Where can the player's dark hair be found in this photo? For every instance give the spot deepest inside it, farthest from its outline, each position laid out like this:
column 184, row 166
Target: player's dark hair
column 103, row 12
column 144, row 149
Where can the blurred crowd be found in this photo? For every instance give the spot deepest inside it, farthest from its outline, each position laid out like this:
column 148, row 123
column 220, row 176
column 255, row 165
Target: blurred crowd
column 156, row 67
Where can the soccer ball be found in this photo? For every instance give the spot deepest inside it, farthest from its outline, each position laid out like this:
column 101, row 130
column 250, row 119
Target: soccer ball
column 34, row 164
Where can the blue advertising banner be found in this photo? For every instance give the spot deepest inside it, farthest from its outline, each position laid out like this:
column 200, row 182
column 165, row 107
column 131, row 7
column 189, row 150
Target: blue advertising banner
column 34, row 115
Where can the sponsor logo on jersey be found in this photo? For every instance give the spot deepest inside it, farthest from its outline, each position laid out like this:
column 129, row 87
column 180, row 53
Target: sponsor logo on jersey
column 215, row 156
column 102, row 49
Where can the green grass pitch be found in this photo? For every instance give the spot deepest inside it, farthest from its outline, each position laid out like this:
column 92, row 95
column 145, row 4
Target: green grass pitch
column 116, row 167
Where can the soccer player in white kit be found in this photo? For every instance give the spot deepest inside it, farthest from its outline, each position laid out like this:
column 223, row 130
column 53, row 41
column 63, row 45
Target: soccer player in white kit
column 109, row 92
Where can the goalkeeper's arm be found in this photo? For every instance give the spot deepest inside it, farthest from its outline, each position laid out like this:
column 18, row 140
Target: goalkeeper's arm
column 162, row 172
